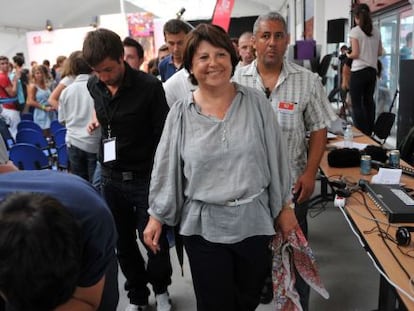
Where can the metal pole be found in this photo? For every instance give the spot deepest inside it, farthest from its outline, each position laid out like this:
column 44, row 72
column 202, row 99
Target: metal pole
column 122, row 7
column 123, row 16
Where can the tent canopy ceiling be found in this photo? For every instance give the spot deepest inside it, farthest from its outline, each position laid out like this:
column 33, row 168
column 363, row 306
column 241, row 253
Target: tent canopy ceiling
column 32, row 15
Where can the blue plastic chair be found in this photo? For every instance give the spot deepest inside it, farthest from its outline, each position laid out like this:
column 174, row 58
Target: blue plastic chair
column 26, row 116
column 34, row 137
column 27, row 124
column 28, row 157
column 59, row 137
column 55, row 126
column 62, row 158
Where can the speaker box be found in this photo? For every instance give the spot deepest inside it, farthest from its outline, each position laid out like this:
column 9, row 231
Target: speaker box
column 305, row 49
column 336, row 30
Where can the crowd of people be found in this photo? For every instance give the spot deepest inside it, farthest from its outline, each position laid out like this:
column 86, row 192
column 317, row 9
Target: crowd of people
column 210, row 140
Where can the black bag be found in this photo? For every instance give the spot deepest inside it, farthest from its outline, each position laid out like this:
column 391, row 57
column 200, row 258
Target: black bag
column 384, row 122
column 344, row 157
column 377, row 153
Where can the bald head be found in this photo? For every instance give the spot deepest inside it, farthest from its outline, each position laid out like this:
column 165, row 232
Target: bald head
column 246, row 51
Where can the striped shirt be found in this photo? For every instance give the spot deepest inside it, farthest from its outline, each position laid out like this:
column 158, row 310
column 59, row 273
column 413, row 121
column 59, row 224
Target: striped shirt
column 301, row 105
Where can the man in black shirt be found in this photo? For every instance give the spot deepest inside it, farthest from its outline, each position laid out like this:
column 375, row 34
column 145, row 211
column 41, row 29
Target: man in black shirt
column 130, row 109
column 338, row 77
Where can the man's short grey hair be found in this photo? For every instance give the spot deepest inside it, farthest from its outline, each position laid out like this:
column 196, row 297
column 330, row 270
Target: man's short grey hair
column 271, row 16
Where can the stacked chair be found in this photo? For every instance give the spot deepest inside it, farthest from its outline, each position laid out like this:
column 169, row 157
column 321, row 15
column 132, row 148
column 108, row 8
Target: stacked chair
column 35, row 137
column 55, row 125
column 29, row 157
column 33, row 151
column 26, row 116
column 59, row 135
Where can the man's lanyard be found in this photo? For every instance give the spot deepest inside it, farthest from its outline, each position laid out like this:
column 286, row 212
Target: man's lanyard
column 109, row 115
column 109, row 143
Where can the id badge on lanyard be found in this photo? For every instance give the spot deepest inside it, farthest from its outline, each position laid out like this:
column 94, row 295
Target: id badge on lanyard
column 109, row 147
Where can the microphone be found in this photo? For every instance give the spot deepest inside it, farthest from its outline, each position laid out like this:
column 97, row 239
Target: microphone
column 267, row 92
column 180, row 13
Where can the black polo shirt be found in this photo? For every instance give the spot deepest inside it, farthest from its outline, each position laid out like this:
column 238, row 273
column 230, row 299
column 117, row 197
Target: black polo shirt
column 136, row 114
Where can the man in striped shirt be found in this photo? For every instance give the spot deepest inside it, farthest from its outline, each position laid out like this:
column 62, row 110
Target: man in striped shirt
column 301, row 105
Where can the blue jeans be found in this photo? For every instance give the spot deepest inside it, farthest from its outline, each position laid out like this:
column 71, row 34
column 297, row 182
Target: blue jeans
column 128, row 200
column 82, row 163
column 96, row 180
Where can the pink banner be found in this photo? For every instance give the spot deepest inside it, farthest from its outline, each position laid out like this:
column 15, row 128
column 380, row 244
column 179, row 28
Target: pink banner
column 222, row 13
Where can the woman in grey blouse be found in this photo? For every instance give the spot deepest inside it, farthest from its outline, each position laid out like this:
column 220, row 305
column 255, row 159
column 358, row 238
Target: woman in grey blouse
column 221, row 172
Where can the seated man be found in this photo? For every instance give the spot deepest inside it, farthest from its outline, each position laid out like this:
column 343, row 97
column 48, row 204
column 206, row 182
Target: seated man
column 57, row 243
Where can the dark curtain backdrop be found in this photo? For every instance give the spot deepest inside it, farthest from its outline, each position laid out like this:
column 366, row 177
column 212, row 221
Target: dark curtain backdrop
column 238, row 25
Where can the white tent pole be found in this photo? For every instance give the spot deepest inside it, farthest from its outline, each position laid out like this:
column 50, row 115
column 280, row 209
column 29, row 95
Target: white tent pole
column 122, row 7
column 124, row 17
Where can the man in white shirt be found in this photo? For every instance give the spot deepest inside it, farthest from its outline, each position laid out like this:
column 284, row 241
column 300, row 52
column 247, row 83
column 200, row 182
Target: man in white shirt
column 177, row 86
column 246, row 50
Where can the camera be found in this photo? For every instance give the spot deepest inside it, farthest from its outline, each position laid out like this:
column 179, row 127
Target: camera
column 349, row 50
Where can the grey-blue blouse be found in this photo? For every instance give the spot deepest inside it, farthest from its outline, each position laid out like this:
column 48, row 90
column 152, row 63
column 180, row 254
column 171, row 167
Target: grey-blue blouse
column 225, row 180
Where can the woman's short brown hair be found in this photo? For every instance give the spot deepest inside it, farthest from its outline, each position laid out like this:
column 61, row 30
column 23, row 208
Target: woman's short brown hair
column 214, row 35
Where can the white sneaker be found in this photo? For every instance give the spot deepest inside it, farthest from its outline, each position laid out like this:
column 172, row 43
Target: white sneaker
column 163, row 302
column 132, row 307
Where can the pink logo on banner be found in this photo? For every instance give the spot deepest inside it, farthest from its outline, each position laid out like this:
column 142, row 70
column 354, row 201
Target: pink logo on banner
column 37, row 39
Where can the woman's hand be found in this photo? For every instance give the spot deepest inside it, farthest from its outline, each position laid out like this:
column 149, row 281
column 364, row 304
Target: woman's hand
column 286, row 220
column 152, row 234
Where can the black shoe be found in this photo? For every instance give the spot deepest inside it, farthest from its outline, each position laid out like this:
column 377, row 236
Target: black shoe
column 266, row 296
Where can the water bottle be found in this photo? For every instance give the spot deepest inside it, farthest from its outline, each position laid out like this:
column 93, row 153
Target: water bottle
column 348, row 136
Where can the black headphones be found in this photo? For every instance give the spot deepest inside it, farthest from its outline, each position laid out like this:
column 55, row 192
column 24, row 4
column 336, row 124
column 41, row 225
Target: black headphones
column 403, row 235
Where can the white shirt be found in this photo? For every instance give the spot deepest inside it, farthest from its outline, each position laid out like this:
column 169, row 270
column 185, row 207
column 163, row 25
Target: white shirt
column 178, row 86
column 368, row 48
column 75, row 109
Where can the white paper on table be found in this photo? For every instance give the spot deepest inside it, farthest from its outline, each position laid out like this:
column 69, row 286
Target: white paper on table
column 387, row 176
column 359, row 146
